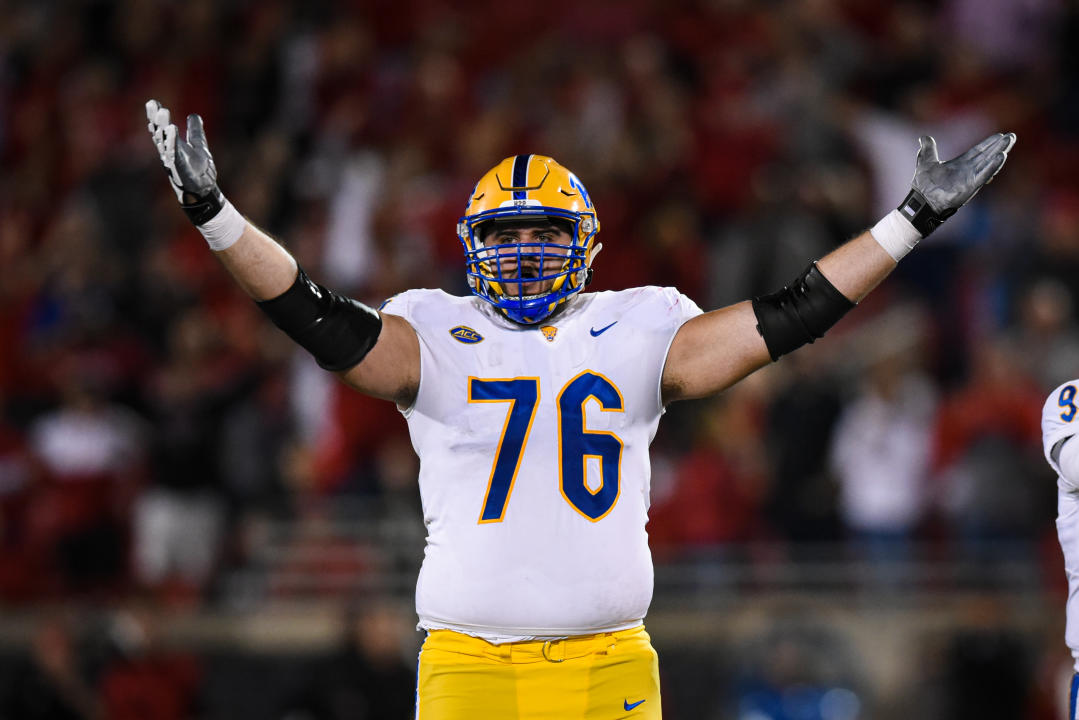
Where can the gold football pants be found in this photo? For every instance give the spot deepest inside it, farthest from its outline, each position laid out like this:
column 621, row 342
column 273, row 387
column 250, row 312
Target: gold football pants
column 589, row 677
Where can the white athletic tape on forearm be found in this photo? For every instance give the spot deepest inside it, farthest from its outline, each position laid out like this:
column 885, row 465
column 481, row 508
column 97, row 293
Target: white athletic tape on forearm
column 223, row 229
column 896, row 235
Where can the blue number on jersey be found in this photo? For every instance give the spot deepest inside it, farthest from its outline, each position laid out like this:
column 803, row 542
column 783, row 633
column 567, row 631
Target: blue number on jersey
column 576, row 445
column 522, row 394
column 1067, row 400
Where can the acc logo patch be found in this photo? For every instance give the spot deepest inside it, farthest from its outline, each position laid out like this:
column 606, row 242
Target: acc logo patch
column 549, row 331
column 465, row 334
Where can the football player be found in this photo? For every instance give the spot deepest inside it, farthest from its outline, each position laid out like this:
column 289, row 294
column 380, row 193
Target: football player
column 531, row 405
column 1062, row 453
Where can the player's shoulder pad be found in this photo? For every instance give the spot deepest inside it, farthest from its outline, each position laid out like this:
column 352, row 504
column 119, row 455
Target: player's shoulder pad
column 651, row 304
column 678, row 303
column 1060, row 416
column 404, row 303
column 426, row 309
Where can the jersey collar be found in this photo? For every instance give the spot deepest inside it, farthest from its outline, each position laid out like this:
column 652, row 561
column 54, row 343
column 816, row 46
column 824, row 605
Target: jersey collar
column 573, row 307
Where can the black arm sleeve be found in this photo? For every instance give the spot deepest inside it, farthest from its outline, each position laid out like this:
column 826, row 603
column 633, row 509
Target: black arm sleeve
column 337, row 330
column 799, row 313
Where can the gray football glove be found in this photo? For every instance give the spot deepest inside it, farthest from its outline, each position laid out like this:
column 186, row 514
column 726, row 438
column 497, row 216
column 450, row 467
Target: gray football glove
column 940, row 188
column 188, row 162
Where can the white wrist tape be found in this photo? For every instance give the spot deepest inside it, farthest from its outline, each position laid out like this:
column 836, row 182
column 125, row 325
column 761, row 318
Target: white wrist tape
column 896, row 235
column 223, row 229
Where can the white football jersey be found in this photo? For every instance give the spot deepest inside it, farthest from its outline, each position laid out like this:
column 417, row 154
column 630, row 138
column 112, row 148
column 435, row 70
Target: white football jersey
column 1060, row 422
column 534, row 468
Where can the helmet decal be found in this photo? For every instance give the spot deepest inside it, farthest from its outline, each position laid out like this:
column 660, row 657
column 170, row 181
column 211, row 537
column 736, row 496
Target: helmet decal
column 520, row 176
column 576, row 185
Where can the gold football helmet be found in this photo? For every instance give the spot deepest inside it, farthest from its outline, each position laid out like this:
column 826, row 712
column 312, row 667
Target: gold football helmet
column 520, row 189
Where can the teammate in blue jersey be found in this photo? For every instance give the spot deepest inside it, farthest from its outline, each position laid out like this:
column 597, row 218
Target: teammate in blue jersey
column 532, row 404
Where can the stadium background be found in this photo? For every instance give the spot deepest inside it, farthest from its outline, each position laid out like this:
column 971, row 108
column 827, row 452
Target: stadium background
column 195, row 522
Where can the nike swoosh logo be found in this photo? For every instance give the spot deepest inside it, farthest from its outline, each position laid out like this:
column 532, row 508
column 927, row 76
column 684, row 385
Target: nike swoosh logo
column 597, row 333
column 625, row 703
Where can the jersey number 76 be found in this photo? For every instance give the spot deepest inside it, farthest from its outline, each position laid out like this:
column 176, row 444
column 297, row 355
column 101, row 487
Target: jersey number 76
column 575, row 443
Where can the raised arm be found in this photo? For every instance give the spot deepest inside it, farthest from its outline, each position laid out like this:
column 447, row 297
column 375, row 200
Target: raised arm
column 716, row 349
column 376, row 354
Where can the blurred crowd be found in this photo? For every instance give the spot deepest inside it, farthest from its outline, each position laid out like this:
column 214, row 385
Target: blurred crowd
column 122, row 666
column 150, row 417
column 151, row 421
